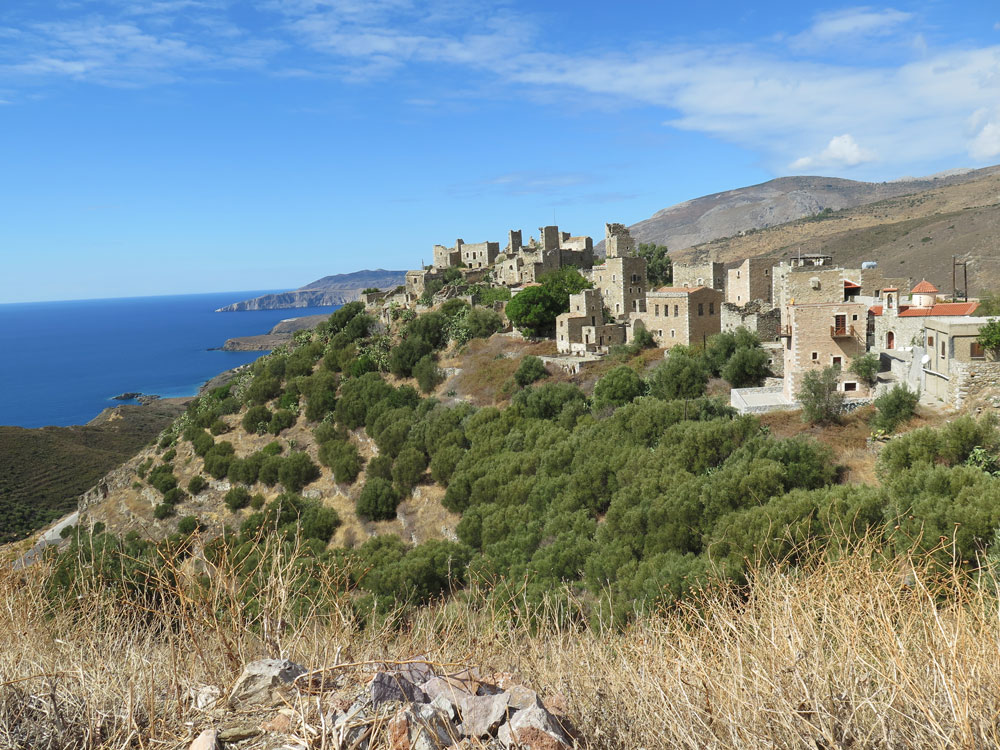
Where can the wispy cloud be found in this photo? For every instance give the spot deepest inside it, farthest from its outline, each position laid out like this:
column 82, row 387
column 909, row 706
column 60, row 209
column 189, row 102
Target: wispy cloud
column 527, row 183
column 783, row 99
column 854, row 23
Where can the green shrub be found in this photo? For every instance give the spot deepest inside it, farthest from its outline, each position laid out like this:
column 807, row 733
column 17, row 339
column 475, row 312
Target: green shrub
column 163, row 510
column 319, row 522
column 257, row 501
column 620, row 386
column 866, row 367
column 408, row 468
column 296, row 471
column 218, row 459
column 197, row 484
column 343, row 458
column 427, row 373
column 174, row 496
column 201, row 441
column 257, row 420
column 169, row 456
column 262, row 389
column 405, row 355
column 746, row 368
column 531, row 369
column 681, row 375
column 282, row 420
column 821, row 401
column 162, row 478
column 269, row 470
column 218, row 427
column 378, row 500
column 379, row 467
column 187, row 525
column 893, row 408
column 236, row 498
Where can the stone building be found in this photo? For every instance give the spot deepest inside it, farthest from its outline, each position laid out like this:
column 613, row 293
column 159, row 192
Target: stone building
column 749, row 281
column 957, row 368
column 708, row 273
column 680, row 315
column 898, row 322
column 621, row 279
column 478, row 254
column 523, row 264
column 583, row 328
column 821, row 334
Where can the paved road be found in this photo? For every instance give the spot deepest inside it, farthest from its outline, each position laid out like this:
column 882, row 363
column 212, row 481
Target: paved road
column 47, row 539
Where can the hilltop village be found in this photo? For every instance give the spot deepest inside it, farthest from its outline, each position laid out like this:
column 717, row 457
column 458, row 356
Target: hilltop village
column 807, row 312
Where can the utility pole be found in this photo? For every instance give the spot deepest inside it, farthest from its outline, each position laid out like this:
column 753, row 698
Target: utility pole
column 955, row 291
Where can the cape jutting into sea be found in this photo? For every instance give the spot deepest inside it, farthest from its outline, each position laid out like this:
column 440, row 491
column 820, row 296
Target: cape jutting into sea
column 61, row 363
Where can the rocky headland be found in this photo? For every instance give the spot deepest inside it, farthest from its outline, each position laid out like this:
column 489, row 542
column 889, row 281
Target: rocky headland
column 281, row 334
column 329, row 290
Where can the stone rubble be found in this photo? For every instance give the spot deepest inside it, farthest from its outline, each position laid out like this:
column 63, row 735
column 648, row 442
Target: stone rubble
column 411, row 705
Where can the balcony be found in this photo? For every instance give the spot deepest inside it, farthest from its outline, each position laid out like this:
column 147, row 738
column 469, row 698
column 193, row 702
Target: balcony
column 784, row 332
column 842, row 332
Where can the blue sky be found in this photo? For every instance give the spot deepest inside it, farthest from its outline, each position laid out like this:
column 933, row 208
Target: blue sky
column 177, row 146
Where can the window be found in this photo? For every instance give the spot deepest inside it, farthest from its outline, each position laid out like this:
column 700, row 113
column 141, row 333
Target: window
column 890, row 340
column 701, row 281
column 672, row 333
column 930, row 342
column 815, row 356
column 850, row 386
column 943, row 351
column 711, row 308
column 854, row 317
column 656, row 310
column 976, row 350
column 837, row 362
column 618, row 307
column 701, row 308
column 675, row 311
column 737, row 274
column 660, row 333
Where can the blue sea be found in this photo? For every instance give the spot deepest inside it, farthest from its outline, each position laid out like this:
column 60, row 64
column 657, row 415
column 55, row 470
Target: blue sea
column 61, row 363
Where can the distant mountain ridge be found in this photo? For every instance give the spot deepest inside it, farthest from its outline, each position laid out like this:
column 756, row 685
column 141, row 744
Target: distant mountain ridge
column 329, row 290
column 778, row 201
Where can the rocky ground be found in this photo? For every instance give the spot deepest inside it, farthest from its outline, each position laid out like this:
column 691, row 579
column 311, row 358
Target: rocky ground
column 415, row 703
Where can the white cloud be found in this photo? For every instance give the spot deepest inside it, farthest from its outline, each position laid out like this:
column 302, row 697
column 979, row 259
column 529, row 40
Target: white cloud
column 855, row 22
column 841, row 151
column 985, row 128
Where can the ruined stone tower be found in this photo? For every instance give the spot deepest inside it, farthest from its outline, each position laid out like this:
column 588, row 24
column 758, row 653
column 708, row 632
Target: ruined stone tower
column 618, row 242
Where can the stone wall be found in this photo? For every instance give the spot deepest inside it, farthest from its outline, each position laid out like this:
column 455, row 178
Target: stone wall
column 758, row 316
column 972, row 381
column 906, row 331
column 618, row 241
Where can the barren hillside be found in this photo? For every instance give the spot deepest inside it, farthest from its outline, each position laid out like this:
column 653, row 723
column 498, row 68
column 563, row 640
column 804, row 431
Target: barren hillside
column 916, row 234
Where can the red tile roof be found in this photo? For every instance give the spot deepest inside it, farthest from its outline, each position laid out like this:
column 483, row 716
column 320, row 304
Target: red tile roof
column 891, row 289
column 851, row 285
column 924, row 287
column 875, row 309
column 942, row 308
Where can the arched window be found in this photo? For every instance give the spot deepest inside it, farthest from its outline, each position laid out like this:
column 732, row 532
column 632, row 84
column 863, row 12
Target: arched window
column 890, row 340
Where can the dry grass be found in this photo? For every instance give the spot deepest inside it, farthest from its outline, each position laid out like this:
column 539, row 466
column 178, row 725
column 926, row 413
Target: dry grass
column 844, row 654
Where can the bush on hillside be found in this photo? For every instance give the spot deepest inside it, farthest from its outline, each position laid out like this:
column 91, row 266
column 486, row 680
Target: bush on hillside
column 530, row 370
column 378, row 500
column 893, row 408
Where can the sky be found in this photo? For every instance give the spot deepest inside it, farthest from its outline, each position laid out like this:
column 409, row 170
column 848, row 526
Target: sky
column 182, row 146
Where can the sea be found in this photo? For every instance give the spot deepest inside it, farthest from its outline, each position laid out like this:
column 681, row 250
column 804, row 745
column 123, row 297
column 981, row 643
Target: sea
column 61, row 363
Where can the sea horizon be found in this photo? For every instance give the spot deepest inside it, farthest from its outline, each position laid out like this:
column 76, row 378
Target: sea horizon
column 70, row 358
